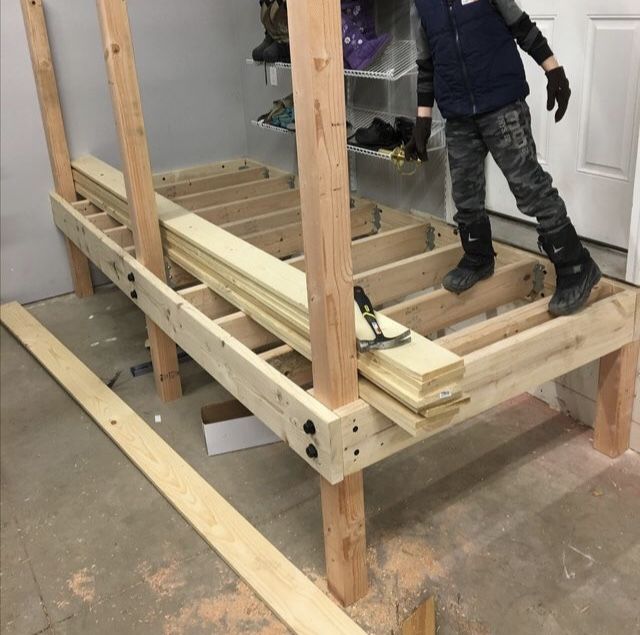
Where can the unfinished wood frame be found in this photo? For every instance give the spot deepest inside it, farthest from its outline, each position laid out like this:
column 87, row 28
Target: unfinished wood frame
column 54, row 132
column 403, row 262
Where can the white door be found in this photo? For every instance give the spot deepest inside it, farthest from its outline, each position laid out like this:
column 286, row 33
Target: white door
column 591, row 153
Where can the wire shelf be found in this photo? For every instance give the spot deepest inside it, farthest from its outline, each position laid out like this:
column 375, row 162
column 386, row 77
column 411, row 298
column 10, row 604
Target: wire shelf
column 360, row 118
column 397, row 60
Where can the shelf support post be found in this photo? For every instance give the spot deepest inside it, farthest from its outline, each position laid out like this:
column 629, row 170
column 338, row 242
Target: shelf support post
column 321, row 137
column 127, row 108
column 54, row 132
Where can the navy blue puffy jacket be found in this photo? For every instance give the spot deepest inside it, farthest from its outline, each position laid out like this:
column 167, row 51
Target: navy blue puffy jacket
column 477, row 67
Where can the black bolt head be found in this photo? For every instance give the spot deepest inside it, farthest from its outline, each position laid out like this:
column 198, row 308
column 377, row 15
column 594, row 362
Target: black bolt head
column 134, row 294
column 309, row 427
column 131, row 277
column 312, row 451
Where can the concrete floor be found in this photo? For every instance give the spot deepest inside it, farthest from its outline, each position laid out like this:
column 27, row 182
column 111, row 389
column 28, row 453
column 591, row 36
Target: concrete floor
column 511, row 520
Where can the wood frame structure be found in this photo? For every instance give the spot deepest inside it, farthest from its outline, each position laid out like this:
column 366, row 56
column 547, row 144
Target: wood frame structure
column 338, row 423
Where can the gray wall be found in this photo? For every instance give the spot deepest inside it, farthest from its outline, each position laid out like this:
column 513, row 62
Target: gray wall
column 190, row 57
column 198, row 95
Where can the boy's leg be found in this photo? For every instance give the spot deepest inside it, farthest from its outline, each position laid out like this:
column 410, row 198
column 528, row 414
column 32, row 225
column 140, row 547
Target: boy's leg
column 509, row 138
column 467, row 153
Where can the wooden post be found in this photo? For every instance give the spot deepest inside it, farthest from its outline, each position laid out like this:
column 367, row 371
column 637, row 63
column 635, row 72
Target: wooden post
column 127, row 108
column 47, row 89
column 318, row 83
column 614, row 405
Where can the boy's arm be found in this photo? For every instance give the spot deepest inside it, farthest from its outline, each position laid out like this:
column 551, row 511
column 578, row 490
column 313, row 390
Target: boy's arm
column 527, row 34
column 425, row 65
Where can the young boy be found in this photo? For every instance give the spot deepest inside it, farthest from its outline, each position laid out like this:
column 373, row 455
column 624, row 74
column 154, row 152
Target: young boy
column 469, row 64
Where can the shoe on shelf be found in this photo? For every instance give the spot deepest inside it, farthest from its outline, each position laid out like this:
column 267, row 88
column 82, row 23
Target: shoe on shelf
column 478, row 261
column 277, row 52
column 404, row 127
column 258, row 53
column 576, row 271
column 379, row 134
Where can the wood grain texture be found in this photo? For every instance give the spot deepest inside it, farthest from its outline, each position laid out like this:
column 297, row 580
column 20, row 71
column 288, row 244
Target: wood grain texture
column 614, row 402
column 127, row 109
column 54, row 131
column 422, row 621
column 285, row 590
column 279, row 403
column 321, row 138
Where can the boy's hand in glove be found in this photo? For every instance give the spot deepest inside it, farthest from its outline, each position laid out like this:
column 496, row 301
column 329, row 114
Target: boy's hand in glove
column 558, row 90
column 417, row 146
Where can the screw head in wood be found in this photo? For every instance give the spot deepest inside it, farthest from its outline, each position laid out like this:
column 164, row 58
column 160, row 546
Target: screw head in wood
column 309, row 427
column 312, row 451
column 134, row 294
column 131, row 277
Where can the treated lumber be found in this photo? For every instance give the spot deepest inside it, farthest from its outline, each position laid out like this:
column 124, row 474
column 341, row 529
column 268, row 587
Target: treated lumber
column 292, row 597
column 232, row 193
column 614, row 403
column 280, row 404
column 194, row 172
column 127, row 108
column 507, row 368
column 275, row 295
column 213, row 182
column 54, row 131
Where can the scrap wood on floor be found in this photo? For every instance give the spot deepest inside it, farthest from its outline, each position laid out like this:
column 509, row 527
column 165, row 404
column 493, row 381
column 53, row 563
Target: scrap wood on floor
column 285, row 589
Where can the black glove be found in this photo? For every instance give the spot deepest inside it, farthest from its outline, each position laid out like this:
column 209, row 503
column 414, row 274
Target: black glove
column 558, row 90
column 417, row 146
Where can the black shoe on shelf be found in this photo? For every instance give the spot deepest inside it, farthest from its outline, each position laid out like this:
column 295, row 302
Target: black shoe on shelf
column 379, row 134
column 277, row 52
column 404, row 127
column 258, row 53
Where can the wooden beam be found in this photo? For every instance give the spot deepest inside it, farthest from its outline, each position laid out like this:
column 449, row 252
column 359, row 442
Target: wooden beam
column 247, row 208
column 231, row 193
column 301, row 606
column 193, row 172
column 614, row 404
column 321, row 137
column 54, row 132
column 212, row 182
column 422, row 621
column 279, row 403
column 127, row 108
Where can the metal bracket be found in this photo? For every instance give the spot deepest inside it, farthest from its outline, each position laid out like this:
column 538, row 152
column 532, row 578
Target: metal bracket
column 265, row 173
column 292, row 182
column 538, row 276
column 431, row 237
column 376, row 219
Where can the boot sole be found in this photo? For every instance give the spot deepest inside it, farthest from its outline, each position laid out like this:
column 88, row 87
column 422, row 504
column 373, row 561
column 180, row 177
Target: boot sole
column 458, row 290
column 595, row 275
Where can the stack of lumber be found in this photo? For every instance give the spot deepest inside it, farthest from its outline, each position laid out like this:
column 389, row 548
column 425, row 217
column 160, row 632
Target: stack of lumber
column 421, row 375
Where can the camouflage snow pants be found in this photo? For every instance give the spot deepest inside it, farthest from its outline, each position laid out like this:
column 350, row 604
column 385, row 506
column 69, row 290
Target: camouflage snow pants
column 506, row 133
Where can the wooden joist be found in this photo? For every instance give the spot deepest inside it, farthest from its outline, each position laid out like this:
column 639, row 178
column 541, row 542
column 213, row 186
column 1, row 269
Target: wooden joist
column 275, row 295
column 301, row 606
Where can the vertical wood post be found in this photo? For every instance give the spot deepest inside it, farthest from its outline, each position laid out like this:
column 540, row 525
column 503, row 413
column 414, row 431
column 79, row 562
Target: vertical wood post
column 614, row 405
column 127, row 108
column 321, row 136
column 51, row 111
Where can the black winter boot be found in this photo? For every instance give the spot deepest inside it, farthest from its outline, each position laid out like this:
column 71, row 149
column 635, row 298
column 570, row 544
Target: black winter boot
column 479, row 258
column 576, row 271
column 258, row 53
